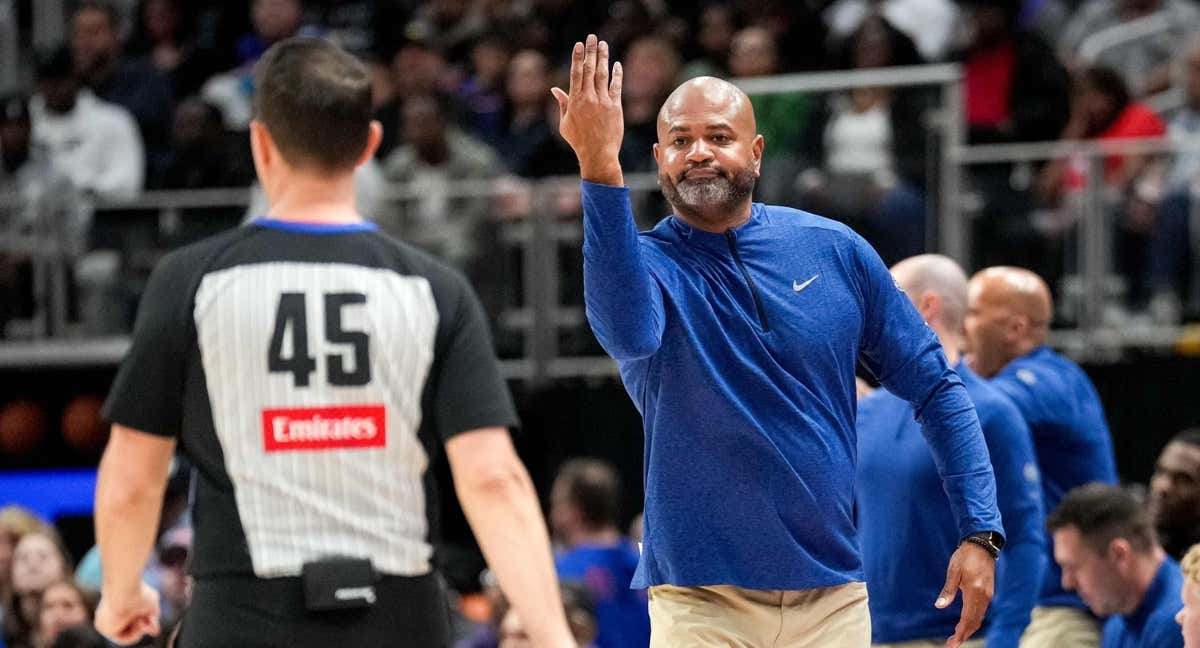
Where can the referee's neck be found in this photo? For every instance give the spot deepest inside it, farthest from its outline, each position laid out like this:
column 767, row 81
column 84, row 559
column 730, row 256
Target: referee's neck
column 310, row 196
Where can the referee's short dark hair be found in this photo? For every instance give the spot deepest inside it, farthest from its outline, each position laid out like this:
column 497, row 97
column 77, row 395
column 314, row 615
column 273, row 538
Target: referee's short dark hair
column 315, row 100
column 593, row 487
column 1103, row 513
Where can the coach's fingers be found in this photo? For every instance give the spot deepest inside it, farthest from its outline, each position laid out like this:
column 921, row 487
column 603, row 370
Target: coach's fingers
column 576, row 69
column 602, row 69
column 950, row 589
column 589, row 65
column 614, row 87
column 561, row 98
column 969, row 621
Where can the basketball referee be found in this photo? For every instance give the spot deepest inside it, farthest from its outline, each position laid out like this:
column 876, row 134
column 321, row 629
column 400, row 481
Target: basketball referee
column 312, row 369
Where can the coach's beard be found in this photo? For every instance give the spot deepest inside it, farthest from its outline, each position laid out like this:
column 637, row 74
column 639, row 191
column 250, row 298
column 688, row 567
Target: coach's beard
column 697, row 197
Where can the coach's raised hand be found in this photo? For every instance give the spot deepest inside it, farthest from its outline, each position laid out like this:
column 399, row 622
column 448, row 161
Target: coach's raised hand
column 591, row 119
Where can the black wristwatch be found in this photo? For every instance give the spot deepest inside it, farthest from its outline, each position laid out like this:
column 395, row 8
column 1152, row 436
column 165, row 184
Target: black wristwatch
column 990, row 540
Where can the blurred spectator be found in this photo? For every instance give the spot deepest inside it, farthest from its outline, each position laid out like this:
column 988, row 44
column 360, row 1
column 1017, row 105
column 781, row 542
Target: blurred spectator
column 715, row 28
column 581, row 617
column 555, row 25
column 1102, row 109
column 204, row 155
column 584, row 519
column 528, row 87
column 782, row 118
column 870, row 151
column 1189, row 616
column 1105, row 543
column 488, row 635
column 1186, row 121
column 1174, row 275
column 1016, row 90
column 1175, row 493
column 418, row 68
column 15, row 523
column 84, row 636
column 434, row 155
column 929, row 23
column 63, row 605
column 482, row 91
column 651, row 66
column 93, row 142
column 452, row 24
column 1145, row 62
column 132, row 83
column 798, row 28
column 272, row 21
column 163, row 34
column 174, row 582
column 360, row 26
column 39, row 559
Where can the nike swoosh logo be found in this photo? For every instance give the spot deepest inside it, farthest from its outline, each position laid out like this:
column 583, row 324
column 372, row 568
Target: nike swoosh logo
column 801, row 286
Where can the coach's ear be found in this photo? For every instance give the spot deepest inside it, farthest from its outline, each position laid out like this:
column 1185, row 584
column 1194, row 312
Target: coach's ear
column 374, row 137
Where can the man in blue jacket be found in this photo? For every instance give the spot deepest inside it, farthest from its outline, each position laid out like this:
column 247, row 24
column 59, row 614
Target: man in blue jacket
column 737, row 327
column 1105, row 544
column 907, row 531
column 1008, row 320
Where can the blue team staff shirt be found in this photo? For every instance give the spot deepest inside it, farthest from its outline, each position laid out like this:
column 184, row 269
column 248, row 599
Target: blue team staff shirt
column 739, row 350
column 1070, row 436
column 605, row 571
column 1152, row 624
column 906, row 525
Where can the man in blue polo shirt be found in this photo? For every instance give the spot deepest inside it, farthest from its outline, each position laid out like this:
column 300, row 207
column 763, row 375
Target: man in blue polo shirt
column 1008, row 320
column 1105, row 543
column 907, row 532
column 737, row 327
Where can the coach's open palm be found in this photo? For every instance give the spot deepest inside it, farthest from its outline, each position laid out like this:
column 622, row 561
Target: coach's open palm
column 591, row 119
column 973, row 571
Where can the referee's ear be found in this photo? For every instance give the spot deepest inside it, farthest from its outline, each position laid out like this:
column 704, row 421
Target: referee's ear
column 374, row 137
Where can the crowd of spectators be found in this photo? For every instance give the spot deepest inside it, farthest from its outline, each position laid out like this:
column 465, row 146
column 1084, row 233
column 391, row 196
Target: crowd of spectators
column 156, row 94
column 47, row 600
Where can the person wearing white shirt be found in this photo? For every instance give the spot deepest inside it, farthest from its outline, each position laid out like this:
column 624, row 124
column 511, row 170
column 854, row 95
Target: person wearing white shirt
column 94, row 143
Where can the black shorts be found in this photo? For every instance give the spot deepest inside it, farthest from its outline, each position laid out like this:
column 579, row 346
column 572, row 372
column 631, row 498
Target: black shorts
column 249, row 612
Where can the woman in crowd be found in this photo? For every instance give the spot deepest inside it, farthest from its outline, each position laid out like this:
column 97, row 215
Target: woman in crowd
column 40, row 559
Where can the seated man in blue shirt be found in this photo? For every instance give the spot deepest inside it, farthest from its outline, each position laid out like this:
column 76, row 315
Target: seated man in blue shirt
column 906, row 533
column 1105, row 543
column 584, row 503
column 737, row 327
column 1009, row 311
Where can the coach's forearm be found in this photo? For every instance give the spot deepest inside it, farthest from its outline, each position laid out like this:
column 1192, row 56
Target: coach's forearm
column 127, row 517
column 503, row 510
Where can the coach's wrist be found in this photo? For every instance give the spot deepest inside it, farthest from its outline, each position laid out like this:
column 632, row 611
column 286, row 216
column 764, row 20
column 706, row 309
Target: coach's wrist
column 605, row 172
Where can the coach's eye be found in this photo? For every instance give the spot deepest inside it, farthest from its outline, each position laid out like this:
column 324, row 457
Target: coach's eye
column 722, row 139
column 679, row 141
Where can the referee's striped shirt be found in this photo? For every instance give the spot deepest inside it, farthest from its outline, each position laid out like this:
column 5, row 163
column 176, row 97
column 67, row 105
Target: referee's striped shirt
column 310, row 373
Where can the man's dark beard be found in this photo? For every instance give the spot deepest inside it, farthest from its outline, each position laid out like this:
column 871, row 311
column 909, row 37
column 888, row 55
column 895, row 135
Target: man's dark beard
column 721, row 193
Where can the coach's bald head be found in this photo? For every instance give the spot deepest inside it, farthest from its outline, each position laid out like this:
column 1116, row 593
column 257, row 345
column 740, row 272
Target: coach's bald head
column 937, row 286
column 1009, row 311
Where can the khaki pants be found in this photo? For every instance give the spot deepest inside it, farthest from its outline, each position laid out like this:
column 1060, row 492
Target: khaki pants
column 724, row 616
column 1061, row 627
column 930, row 643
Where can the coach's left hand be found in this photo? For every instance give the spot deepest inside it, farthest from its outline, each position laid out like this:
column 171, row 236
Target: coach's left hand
column 972, row 570
column 124, row 618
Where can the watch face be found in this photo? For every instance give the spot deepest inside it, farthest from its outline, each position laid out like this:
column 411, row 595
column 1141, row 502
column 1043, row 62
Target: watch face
column 996, row 539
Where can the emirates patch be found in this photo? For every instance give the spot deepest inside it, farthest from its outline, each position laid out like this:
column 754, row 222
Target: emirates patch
column 324, row 428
